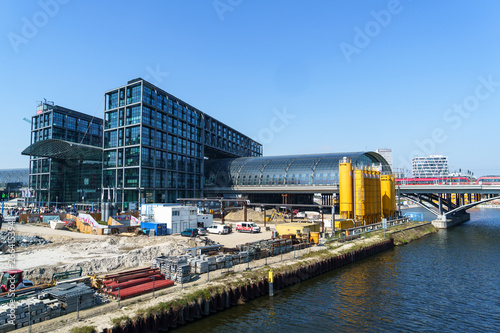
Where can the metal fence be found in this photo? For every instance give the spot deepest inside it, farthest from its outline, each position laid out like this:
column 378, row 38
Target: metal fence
column 374, row 227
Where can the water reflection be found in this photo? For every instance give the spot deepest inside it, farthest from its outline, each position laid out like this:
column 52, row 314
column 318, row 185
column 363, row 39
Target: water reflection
column 444, row 282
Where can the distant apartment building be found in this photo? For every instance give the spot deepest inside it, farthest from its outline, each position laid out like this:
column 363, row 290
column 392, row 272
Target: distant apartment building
column 387, row 154
column 431, row 166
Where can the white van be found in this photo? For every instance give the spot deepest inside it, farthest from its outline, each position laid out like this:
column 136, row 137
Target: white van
column 219, row 229
column 247, row 227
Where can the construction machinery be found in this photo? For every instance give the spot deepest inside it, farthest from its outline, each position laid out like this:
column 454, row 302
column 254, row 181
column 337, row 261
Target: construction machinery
column 13, row 280
column 273, row 215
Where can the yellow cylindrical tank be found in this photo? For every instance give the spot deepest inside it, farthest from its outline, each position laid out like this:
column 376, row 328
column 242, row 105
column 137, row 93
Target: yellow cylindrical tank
column 377, row 196
column 386, row 196
column 368, row 195
column 388, row 189
column 359, row 194
column 373, row 200
column 393, row 198
column 346, row 190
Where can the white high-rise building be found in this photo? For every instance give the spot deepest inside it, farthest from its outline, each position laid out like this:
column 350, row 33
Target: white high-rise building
column 431, row 166
column 387, row 154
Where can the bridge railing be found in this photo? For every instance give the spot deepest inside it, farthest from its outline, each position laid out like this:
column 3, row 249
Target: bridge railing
column 373, row 227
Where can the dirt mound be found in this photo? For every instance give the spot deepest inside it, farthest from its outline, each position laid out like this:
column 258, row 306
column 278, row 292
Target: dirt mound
column 98, row 257
column 252, row 215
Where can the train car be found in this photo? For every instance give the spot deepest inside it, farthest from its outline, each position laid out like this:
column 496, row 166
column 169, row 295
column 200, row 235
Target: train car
column 488, row 180
column 451, row 180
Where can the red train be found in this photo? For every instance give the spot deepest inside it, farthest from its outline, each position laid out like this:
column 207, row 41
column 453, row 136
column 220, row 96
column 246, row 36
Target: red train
column 488, row 180
column 452, row 180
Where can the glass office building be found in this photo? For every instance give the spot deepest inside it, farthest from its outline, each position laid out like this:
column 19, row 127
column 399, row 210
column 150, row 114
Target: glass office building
column 155, row 145
column 65, row 155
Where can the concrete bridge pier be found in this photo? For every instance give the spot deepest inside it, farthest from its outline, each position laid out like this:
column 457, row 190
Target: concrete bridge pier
column 444, row 221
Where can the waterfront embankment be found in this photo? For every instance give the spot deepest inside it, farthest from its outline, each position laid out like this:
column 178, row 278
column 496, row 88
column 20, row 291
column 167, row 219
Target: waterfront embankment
column 199, row 299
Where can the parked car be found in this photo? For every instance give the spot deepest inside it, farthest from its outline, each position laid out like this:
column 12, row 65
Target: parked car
column 190, row 232
column 219, row 229
column 202, row 231
column 247, row 227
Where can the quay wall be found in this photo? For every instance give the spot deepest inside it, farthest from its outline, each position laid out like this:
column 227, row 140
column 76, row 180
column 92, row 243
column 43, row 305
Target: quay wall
column 179, row 313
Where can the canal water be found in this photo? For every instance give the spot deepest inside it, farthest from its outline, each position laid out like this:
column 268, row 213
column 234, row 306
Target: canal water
column 446, row 282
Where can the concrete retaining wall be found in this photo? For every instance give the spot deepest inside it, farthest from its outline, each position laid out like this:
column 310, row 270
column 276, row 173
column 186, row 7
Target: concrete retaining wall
column 173, row 318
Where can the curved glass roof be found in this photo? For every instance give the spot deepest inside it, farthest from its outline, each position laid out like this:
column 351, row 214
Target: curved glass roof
column 61, row 149
column 290, row 170
column 14, row 176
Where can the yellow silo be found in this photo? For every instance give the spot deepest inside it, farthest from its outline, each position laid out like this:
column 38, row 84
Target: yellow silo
column 393, row 198
column 359, row 195
column 346, row 189
column 386, row 196
column 377, row 196
column 370, row 209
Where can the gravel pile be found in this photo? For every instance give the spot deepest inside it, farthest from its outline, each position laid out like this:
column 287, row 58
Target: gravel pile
column 22, row 241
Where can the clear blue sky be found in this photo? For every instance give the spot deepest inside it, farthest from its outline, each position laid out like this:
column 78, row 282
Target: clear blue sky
column 419, row 77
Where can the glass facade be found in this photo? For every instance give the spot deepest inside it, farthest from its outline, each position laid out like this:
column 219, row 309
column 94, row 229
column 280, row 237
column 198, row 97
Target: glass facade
column 292, row 171
column 61, row 179
column 155, row 144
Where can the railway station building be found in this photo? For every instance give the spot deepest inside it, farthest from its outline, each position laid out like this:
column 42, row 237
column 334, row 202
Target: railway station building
column 150, row 146
column 287, row 179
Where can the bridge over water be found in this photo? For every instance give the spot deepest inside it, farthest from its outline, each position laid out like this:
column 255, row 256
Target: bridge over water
column 436, row 198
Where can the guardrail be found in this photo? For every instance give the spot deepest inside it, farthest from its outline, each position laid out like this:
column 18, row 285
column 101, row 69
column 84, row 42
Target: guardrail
column 373, row 227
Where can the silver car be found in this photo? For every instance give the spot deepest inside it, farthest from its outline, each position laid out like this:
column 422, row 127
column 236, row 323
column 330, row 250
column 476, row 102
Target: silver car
column 202, row 231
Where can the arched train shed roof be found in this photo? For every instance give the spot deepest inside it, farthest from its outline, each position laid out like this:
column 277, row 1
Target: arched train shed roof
column 289, row 170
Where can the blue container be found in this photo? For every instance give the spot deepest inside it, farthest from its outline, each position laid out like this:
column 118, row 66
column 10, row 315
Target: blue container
column 159, row 228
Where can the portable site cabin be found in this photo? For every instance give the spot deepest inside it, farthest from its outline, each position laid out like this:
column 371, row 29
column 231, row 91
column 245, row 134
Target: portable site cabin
column 177, row 218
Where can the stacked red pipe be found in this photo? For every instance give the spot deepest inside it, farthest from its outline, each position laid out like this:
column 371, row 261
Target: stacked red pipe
column 134, row 282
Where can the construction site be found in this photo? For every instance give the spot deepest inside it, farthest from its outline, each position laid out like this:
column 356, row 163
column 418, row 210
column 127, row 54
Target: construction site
column 71, row 262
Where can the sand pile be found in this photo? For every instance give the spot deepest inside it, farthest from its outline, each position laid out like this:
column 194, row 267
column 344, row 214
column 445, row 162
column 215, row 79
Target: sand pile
column 238, row 216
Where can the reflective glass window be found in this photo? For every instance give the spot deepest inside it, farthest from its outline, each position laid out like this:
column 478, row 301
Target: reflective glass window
column 132, row 177
column 132, row 156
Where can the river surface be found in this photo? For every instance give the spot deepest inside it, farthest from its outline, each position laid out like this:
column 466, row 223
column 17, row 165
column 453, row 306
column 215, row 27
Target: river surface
column 446, row 282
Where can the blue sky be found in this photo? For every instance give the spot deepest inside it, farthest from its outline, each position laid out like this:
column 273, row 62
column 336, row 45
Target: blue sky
column 419, row 77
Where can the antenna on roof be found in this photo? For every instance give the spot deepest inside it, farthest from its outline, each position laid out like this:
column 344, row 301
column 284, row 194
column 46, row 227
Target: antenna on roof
column 45, row 101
